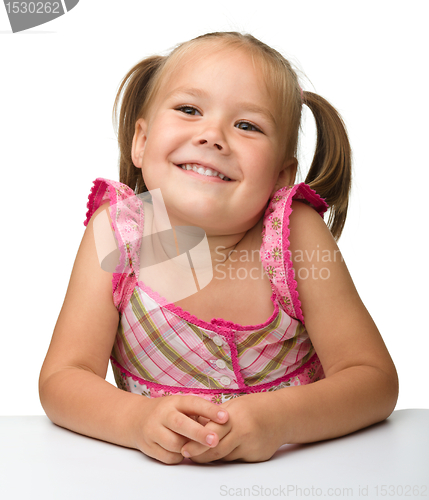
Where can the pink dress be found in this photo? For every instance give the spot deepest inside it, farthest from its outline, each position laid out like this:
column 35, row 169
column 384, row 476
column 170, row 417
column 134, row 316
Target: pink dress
column 161, row 349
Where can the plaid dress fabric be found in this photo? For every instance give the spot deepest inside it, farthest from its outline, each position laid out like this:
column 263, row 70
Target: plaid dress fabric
column 160, row 349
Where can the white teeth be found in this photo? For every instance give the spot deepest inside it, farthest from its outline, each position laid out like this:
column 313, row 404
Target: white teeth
column 204, row 171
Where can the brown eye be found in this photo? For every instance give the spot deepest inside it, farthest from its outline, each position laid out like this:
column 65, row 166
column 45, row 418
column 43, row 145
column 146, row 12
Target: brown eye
column 188, row 110
column 248, row 127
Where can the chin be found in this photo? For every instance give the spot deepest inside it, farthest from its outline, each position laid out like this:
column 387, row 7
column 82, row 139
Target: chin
column 193, row 217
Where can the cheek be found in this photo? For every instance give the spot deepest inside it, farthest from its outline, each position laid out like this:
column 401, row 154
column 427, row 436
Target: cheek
column 262, row 161
column 151, row 165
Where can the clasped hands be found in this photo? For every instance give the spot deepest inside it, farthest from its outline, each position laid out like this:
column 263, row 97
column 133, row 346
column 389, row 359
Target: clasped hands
column 177, row 426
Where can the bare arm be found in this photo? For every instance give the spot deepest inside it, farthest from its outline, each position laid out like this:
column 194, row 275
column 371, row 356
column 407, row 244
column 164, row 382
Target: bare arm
column 361, row 384
column 72, row 388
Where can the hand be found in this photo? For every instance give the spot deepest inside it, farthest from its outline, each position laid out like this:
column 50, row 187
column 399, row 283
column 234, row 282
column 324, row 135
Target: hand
column 165, row 424
column 249, row 435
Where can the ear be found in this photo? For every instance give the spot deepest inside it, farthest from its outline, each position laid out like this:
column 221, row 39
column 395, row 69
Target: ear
column 287, row 175
column 139, row 142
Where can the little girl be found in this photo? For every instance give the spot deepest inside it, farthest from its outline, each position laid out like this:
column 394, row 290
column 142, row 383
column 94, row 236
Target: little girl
column 276, row 347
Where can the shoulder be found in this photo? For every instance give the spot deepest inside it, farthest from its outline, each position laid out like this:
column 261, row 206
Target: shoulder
column 101, row 228
column 308, row 228
column 305, row 218
column 316, row 258
column 104, row 207
column 318, row 265
column 101, row 214
column 314, row 248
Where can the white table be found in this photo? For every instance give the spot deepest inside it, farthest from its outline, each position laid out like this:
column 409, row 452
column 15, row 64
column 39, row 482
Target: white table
column 41, row 460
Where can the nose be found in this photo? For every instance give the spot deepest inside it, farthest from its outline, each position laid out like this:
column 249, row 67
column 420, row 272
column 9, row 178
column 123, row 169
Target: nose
column 212, row 137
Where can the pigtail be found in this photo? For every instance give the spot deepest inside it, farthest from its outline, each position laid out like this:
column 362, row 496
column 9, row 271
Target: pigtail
column 137, row 84
column 330, row 171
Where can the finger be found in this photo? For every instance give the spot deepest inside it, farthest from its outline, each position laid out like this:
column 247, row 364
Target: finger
column 193, row 448
column 186, row 427
column 203, row 420
column 196, row 406
column 181, row 421
column 225, row 448
column 167, row 457
column 170, row 440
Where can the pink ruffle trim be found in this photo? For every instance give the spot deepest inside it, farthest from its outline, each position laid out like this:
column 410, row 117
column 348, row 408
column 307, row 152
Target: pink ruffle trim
column 114, row 192
column 98, row 195
column 220, row 323
column 320, row 206
column 298, row 192
column 242, row 387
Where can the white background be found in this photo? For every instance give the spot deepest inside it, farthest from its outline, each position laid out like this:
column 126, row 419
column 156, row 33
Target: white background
column 57, row 88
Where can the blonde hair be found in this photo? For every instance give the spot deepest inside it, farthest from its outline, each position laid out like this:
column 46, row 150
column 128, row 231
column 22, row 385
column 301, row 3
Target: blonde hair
column 330, row 171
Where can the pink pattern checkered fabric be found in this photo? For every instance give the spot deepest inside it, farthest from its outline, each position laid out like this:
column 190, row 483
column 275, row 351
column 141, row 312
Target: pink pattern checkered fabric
column 160, row 349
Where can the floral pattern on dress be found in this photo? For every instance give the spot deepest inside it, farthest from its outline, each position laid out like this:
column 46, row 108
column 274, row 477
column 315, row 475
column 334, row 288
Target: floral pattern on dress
column 275, row 257
column 276, row 253
column 276, row 224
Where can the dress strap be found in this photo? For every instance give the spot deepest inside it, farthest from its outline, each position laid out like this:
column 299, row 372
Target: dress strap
column 106, row 190
column 127, row 215
column 275, row 253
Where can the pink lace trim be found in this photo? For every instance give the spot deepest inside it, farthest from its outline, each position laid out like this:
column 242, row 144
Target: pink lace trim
column 221, row 323
column 242, row 387
column 124, row 279
column 279, row 260
column 303, row 191
column 299, row 192
column 153, row 294
column 218, row 325
column 98, row 195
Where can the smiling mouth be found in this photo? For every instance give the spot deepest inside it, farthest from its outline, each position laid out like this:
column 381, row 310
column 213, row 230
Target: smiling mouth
column 199, row 169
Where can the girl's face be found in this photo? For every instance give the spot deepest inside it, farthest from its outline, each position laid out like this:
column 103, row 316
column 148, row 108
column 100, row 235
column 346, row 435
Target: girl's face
column 215, row 113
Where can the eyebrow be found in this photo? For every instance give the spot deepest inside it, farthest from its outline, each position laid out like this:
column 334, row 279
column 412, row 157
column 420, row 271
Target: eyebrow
column 246, row 106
